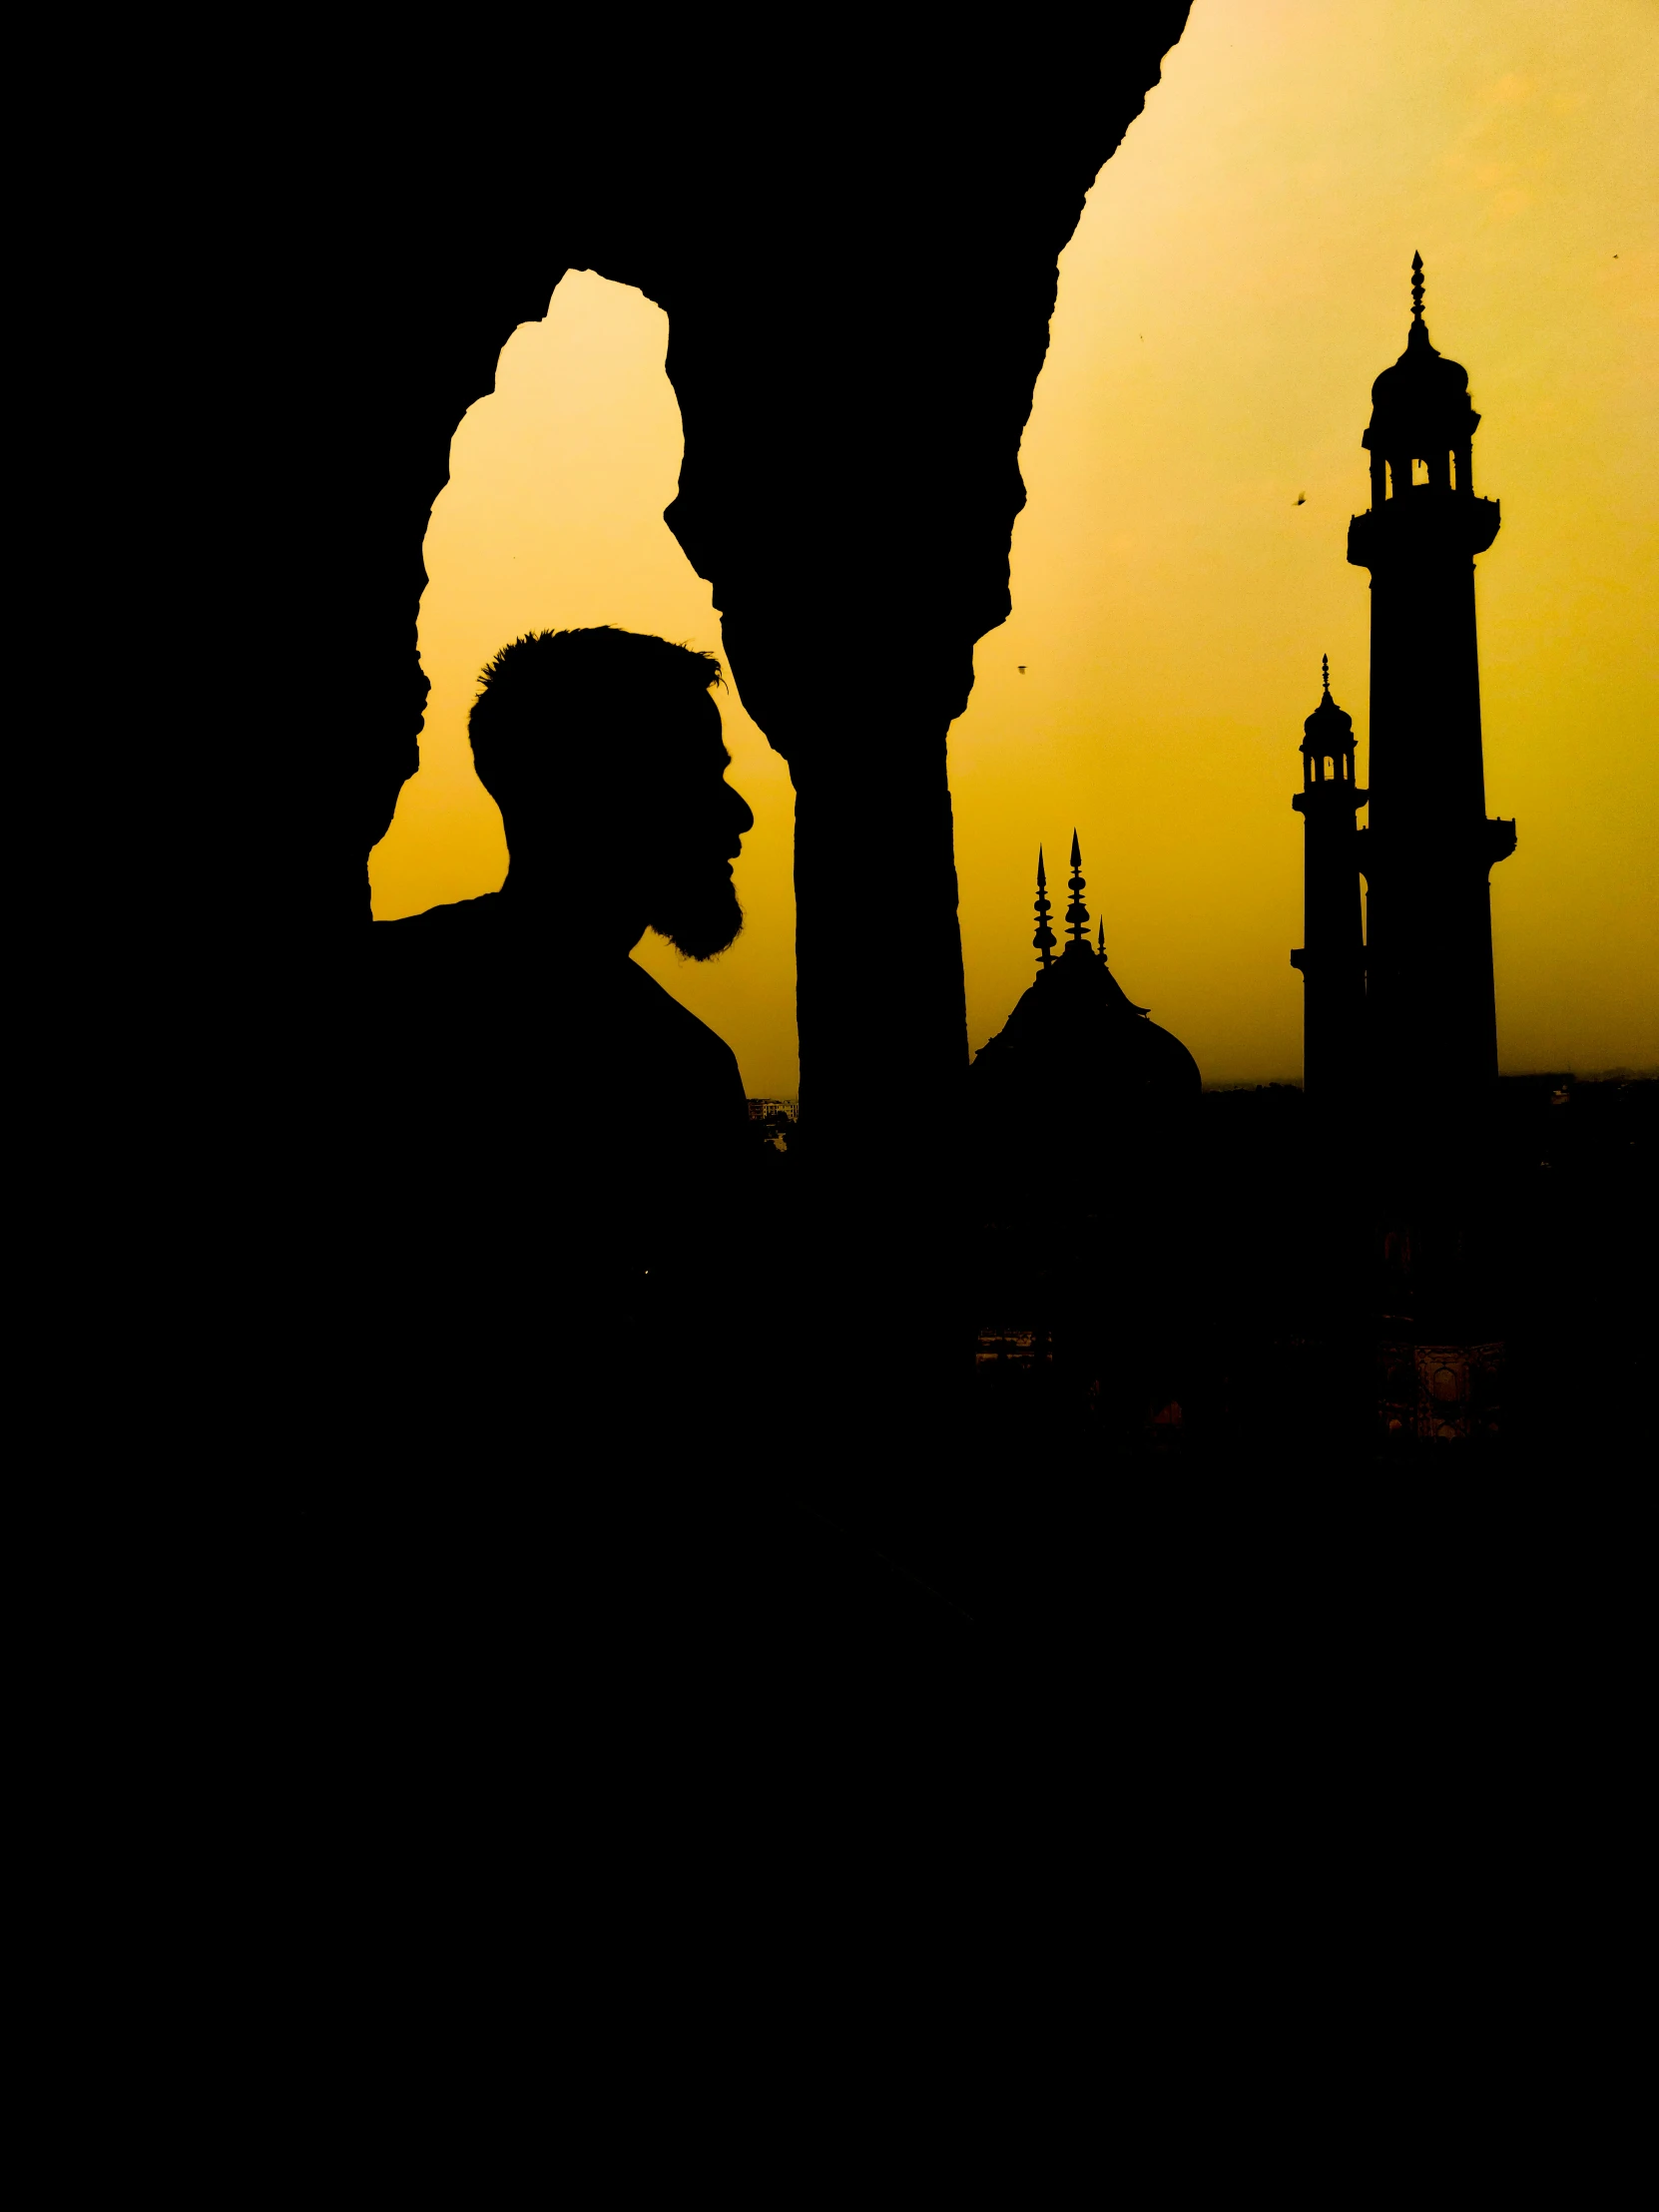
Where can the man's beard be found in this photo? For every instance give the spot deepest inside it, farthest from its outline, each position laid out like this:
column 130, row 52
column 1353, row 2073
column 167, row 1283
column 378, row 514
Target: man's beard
column 700, row 919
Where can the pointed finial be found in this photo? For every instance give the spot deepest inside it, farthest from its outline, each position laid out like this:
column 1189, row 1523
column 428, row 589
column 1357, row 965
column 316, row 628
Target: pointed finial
column 1044, row 938
column 1102, row 945
column 1077, row 914
column 1325, row 671
column 1416, row 288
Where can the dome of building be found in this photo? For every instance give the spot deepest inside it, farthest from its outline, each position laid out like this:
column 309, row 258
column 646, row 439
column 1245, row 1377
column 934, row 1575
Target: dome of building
column 1422, row 402
column 1422, row 376
column 1330, row 728
column 1076, row 1042
column 1083, row 1129
column 1076, row 1028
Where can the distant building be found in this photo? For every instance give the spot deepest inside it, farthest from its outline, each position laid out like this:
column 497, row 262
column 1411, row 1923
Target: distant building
column 1430, row 848
column 1437, row 1393
column 775, row 1119
column 1075, row 1044
column 1399, row 1024
column 1413, row 1004
column 1076, row 1173
column 1333, row 955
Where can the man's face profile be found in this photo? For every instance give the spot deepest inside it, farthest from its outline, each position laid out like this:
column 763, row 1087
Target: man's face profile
column 594, row 741
column 693, row 835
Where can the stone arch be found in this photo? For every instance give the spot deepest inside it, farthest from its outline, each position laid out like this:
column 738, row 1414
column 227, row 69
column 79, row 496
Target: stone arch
column 913, row 283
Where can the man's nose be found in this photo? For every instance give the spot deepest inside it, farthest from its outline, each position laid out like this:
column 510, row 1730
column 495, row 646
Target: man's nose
column 743, row 819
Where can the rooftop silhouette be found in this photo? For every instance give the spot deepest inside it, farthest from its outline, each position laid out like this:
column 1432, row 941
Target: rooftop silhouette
column 1074, row 1038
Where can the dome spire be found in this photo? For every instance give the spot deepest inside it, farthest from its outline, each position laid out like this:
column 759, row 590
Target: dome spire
column 1102, row 945
column 1077, row 914
column 1416, row 288
column 1044, row 938
column 1327, row 730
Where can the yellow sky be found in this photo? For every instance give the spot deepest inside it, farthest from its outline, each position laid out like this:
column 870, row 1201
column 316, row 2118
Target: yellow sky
column 1239, row 278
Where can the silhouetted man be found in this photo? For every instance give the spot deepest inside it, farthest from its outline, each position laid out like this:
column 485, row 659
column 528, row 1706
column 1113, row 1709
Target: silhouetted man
column 580, row 1272
column 597, row 1129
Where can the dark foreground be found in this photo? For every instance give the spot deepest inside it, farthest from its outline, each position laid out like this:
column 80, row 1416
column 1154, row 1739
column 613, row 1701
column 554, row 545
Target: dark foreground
column 1221, row 1383
column 1231, row 1497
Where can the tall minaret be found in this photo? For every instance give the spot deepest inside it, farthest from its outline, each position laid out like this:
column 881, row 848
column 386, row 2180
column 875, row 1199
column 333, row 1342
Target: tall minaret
column 1333, row 958
column 1426, row 854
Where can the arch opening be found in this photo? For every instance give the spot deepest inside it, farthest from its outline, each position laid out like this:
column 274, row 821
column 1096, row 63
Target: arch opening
column 552, row 518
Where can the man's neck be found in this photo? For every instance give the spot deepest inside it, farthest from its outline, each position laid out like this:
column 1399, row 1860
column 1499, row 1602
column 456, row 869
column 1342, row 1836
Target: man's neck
column 574, row 912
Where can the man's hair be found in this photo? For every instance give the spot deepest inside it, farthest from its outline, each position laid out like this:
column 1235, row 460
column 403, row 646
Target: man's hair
column 564, row 691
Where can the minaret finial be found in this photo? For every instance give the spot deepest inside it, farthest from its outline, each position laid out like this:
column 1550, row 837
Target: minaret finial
column 1416, row 288
column 1077, row 914
column 1044, row 938
column 1102, row 947
column 1325, row 671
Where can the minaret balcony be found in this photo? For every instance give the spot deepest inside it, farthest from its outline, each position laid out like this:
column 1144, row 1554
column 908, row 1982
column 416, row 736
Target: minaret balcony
column 1422, row 521
column 1328, row 796
column 1452, row 848
column 1330, row 960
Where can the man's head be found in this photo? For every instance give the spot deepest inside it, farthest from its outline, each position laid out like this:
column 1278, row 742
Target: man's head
column 601, row 742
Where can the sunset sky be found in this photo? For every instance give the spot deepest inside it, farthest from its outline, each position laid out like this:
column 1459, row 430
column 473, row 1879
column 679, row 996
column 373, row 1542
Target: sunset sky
column 1240, row 276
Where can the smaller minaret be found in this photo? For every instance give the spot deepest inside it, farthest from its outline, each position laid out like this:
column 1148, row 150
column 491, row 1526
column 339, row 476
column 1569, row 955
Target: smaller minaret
column 1077, row 914
column 1333, row 958
column 1044, row 938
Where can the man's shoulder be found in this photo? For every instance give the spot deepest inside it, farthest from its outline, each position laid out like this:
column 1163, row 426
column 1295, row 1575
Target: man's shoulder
column 668, row 1051
column 454, row 945
column 660, row 1011
column 456, row 920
